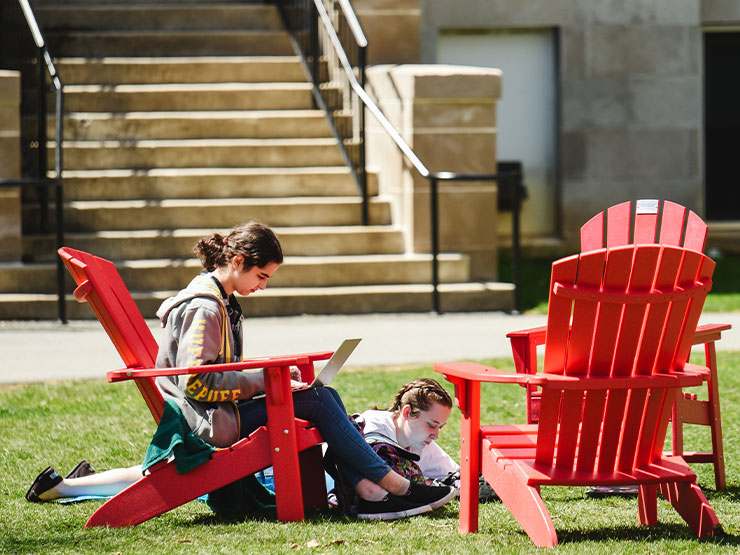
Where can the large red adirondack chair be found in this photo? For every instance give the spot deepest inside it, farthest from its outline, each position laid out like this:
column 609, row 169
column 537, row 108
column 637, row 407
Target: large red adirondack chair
column 679, row 227
column 620, row 325
column 289, row 444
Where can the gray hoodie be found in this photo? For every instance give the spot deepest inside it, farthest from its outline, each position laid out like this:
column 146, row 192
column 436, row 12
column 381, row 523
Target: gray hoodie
column 197, row 331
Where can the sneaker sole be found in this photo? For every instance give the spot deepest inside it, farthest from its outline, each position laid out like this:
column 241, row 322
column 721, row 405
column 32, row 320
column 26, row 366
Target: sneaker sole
column 396, row 514
column 446, row 499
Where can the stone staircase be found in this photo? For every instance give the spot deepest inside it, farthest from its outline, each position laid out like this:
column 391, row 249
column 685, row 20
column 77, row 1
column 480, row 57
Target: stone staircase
column 188, row 117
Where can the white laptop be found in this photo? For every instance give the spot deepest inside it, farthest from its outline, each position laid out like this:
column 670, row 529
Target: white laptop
column 330, row 369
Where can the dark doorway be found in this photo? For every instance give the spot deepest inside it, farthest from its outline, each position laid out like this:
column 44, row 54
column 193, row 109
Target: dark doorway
column 722, row 125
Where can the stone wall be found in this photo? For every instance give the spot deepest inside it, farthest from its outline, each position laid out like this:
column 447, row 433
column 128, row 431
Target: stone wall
column 10, row 165
column 392, row 30
column 630, row 86
column 630, row 105
column 447, row 115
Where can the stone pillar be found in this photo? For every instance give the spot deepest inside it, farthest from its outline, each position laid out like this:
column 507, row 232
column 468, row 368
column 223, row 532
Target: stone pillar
column 447, row 115
column 10, row 165
column 392, row 30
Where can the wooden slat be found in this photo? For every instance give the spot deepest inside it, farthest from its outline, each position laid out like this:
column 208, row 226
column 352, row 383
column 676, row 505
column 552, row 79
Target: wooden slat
column 615, row 403
column 671, row 223
column 661, row 426
column 568, row 433
column 558, row 316
column 616, row 278
column 593, row 418
column 590, row 274
column 657, row 314
column 646, row 222
column 631, row 429
column 669, row 469
column 631, row 326
column 675, row 325
column 618, row 224
column 695, row 237
column 695, row 306
column 592, row 233
column 547, row 429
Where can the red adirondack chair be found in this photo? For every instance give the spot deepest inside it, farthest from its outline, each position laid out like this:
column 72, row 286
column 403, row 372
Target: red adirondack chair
column 291, row 445
column 679, row 227
column 620, row 324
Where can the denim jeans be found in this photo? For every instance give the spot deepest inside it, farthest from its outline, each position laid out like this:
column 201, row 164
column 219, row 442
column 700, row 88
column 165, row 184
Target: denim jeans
column 324, row 408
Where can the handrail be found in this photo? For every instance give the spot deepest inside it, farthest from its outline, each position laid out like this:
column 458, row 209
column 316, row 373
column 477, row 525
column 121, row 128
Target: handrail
column 353, row 22
column 507, row 172
column 303, row 25
column 43, row 54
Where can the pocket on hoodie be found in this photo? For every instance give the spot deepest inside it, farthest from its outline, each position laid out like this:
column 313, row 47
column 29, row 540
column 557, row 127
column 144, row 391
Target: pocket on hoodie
column 223, row 424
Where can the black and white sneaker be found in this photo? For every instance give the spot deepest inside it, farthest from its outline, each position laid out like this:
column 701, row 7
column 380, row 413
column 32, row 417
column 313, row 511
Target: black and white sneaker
column 391, row 508
column 434, row 496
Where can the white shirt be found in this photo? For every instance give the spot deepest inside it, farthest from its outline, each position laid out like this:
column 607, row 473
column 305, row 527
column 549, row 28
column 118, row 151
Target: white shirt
column 434, row 462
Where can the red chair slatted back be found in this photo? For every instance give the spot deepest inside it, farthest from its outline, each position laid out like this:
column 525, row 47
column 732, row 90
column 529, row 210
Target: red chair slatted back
column 100, row 285
column 678, row 226
column 624, row 312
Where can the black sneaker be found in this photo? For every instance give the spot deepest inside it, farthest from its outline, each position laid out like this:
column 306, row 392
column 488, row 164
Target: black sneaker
column 391, row 508
column 43, row 482
column 83, row 468
column 434, row 496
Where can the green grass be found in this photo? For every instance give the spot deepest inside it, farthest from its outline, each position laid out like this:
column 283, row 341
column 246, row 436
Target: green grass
column 108, row 424
column 534, row 282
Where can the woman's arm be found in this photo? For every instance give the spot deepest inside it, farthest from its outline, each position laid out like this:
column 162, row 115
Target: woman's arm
column 199, row 343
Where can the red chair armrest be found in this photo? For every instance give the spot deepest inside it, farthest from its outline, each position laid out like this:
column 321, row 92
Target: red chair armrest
column 709, row 332
column 532, row 334
column 524, row 348
column 247, row 364
column 457, row 371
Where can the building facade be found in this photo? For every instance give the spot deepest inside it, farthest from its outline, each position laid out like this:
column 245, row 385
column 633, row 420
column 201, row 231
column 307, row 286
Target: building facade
column 602, row 100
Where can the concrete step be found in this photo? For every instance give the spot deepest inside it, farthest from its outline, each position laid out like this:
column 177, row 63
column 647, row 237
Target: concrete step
column 153, row 16
column 196, row 69
column 187, row 96
column 298, row 271
column 199, row 153
column 178, row 244
column 213, row 213
column 454, row 297
column 189, row 183
column 96, row 44
column 101, row 126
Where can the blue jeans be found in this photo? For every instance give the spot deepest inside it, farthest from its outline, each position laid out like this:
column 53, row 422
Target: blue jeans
column 324, row 408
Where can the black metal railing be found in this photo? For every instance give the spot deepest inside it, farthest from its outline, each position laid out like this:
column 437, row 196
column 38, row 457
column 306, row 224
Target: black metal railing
column 331, row 40
column 23, row 48
column 315, row 21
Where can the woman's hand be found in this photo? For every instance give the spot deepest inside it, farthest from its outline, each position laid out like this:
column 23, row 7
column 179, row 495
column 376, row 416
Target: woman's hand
column 296, row 380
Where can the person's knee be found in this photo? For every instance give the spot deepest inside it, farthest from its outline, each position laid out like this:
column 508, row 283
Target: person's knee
column 326, row 395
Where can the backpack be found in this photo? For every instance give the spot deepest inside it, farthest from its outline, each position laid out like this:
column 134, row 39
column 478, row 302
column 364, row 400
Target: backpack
column 400, row 460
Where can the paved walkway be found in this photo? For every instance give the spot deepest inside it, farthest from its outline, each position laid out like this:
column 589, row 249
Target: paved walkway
column 47, row 351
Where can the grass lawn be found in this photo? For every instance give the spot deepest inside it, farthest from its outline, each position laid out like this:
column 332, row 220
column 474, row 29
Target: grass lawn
column 108, row 424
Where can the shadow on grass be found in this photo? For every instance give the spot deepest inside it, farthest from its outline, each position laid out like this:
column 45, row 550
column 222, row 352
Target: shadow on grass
column 730, row 493
column 646, row 534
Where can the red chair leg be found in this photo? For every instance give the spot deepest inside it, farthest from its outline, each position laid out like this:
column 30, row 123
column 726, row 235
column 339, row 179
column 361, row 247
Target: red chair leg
column 715, row 419
column 648, row 505
column 523, row 501
column 469, row 402
column 689, row 501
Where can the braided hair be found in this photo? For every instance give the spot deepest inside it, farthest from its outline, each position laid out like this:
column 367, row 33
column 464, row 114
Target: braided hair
column 255, row 241
column 420, row 394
